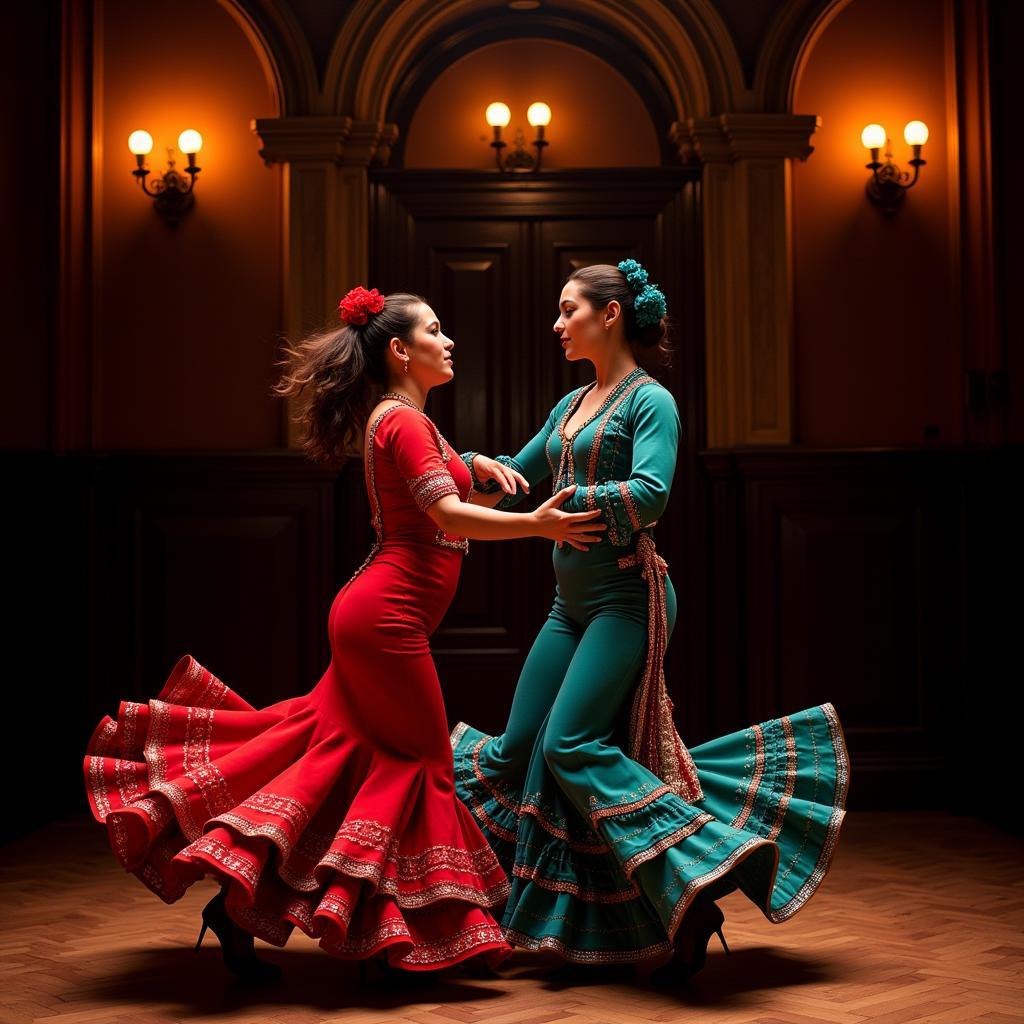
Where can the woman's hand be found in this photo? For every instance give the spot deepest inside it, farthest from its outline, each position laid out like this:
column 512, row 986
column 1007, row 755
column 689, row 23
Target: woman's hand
column 490, row 469
column 575, row 528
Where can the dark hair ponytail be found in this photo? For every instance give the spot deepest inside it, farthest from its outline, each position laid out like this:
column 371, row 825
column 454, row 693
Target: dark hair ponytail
column 601, row 283
column 344, row 371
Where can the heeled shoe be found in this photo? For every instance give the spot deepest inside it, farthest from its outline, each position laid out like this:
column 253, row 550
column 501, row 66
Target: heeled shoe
column 703, row 919
column 245, row 965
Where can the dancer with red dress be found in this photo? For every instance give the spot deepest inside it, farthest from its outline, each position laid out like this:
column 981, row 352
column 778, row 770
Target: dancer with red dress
column 335, row 811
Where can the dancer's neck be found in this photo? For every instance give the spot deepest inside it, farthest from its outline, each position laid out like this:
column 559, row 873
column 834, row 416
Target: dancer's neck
column 609, row 373
column 409, row 389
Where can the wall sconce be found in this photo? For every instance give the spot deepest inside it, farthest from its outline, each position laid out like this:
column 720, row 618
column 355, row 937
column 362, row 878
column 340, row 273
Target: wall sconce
column 519, row 160
column 172, row 196
column 888, row 184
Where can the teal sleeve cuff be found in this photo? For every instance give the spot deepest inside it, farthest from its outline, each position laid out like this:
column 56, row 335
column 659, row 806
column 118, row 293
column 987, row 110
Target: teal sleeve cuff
column 618, row 507
column 487, row 487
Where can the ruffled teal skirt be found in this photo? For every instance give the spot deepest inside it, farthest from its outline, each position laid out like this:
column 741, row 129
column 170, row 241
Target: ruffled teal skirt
column 614, row 888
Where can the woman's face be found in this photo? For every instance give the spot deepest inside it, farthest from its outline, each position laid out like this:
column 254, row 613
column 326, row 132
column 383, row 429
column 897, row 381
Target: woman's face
column 429, row 351
column 582, row 330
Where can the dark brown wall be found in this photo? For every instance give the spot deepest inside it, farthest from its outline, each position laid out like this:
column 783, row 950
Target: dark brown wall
column 29, row 166
column 877, row 302
column 105, row 549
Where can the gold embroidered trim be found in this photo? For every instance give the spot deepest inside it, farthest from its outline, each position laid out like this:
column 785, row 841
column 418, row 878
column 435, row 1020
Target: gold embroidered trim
column 551, row 828
column 228, row 857
column 702, row 881
column 614, row 810
column 527, row 808
column 432, row 486
column 631, row 864
column 457, row 733
column 595, row 444
column 783, row 805
column 755, row 780
column 653, row 739
column 441, row 539
column 586, row 956
column 807, row 890
column 197, row 686
column 531, row 873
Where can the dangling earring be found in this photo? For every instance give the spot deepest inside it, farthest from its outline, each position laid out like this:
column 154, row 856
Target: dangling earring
column 406, row 364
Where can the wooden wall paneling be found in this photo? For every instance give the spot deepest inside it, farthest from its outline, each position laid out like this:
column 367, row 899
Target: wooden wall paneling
column 851, row 574
column 72, row 382
column 720, row 589
column 228, row 559
column 984, row 737
column 48, row 632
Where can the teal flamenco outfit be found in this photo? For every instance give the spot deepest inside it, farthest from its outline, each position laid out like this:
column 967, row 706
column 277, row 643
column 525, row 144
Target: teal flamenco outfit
column 606, row 823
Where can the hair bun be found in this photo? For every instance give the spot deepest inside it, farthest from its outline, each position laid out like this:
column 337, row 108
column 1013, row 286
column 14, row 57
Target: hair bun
column 652, row 334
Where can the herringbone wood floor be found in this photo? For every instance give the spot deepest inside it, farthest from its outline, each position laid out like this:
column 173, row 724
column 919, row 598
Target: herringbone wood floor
column 920, row 920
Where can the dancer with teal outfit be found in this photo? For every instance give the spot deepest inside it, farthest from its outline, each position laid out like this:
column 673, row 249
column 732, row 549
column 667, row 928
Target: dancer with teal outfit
column 618, row 840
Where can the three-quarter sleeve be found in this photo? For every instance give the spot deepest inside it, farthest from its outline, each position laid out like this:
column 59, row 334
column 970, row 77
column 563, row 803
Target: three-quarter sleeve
column 413, row 443
column 531, row 461
column 631, row 504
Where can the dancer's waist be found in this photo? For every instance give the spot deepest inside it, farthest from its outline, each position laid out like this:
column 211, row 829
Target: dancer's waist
column 569, row 559
column 423, row 543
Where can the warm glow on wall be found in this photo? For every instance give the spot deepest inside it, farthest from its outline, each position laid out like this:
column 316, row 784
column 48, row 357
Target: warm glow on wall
column 888, row 185
column 171, row 194
column 498, row 116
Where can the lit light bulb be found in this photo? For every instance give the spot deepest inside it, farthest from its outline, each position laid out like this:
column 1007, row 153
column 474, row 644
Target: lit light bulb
column 190, row 141
column 915, row 133
column 140, row 142
column 498, row 115
column 873, row 136
column 539, row 114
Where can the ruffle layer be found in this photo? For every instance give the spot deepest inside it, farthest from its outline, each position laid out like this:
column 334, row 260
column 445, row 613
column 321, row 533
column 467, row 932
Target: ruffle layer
column 309, row 827
column 616, row 888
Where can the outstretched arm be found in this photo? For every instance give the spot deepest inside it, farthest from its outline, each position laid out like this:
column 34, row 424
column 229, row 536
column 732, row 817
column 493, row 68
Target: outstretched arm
column 412, row 441
column 529, row 468
column 628, row 505
column 459, row 518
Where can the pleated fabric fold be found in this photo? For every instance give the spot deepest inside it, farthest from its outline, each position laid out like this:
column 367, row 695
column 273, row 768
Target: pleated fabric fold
column 613, row 887
column 309, row 826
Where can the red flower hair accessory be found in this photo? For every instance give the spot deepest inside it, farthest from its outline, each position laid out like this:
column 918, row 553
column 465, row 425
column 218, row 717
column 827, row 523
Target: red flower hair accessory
column 357, row 306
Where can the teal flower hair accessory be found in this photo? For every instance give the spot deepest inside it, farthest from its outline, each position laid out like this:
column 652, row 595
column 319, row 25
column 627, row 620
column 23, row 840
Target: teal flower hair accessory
column 648, row 299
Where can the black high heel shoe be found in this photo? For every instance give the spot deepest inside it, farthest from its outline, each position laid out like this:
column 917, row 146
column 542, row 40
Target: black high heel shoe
column 245, row 965
column 703, row 919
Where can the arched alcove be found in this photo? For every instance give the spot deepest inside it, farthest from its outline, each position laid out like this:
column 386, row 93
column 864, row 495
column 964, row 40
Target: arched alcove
column 890, row 373
column 162, row 339
column 680, row 55
column 606, row 124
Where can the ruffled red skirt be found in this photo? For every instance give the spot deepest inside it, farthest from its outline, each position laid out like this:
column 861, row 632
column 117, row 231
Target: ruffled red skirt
column 309, row 821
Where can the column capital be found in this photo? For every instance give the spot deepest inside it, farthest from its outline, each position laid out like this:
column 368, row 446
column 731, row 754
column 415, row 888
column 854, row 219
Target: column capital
column 729, row 137
column 340, row 140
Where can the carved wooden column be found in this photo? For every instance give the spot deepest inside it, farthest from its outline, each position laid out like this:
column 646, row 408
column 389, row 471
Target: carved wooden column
column 748, row 270
column 326, row 241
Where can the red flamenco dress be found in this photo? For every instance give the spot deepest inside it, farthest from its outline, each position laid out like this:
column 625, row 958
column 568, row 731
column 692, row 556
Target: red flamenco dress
column 334, row 811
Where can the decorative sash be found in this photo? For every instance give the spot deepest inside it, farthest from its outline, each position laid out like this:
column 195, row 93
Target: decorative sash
column 653, row 739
